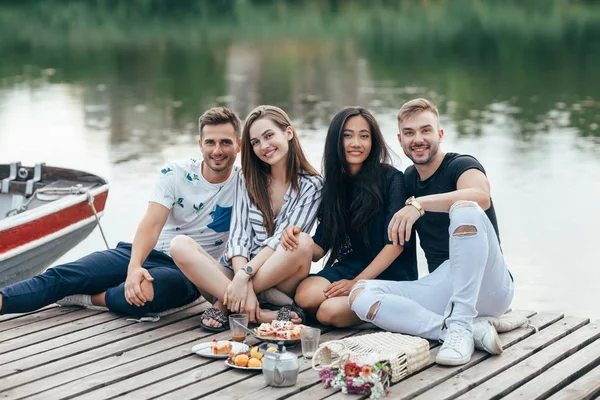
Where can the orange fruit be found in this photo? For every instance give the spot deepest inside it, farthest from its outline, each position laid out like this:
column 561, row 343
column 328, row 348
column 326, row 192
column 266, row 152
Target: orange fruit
column 254, row 363
column 241, row 360
column 272, row 350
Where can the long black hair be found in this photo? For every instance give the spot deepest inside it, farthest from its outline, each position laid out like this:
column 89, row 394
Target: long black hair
column 351, row 200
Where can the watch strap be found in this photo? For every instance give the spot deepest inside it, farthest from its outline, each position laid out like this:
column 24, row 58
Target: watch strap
column 411, row 201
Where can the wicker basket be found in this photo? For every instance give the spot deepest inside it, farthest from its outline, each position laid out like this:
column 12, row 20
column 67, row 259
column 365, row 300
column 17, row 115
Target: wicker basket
column 405, row 354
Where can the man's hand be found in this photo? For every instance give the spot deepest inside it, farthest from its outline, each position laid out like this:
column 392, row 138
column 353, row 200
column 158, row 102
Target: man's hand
column 237, row 293
column 133, row 290
column 252, row 308
column 289, row 239
column 400, row 227
column 339, row 288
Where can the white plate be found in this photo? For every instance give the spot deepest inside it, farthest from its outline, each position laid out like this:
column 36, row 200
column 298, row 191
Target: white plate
column 204, row 349
column 276, row 340
column 246, row 368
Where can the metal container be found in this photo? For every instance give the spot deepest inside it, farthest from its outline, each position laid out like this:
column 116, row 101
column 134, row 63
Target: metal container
column 279, row 368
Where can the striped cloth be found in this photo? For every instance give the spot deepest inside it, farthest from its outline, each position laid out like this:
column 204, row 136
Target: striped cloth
column 248, row 235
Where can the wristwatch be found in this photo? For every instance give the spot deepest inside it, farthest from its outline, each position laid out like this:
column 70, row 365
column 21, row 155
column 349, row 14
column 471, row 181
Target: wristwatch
column 411, row 201
column 247, row 269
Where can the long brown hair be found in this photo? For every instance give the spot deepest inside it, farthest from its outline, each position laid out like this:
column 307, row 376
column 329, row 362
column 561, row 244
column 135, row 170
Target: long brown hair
column 257, row 173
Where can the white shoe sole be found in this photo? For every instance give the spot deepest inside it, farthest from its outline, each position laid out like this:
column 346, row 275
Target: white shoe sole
column 496, row 346
column 452, row 361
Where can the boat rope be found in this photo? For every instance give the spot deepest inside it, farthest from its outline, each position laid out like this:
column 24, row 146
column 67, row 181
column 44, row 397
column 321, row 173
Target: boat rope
column 90, row 199
column 64, row 191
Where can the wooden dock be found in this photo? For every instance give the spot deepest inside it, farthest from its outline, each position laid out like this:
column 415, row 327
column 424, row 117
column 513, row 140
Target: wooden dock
column 63, row 353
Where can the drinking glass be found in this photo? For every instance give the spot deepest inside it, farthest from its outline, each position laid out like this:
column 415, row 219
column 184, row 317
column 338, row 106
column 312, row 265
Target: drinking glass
column 309, row 337
column 238, row 323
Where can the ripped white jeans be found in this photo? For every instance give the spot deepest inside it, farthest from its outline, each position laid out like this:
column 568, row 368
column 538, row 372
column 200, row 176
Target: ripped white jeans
column 474, row 281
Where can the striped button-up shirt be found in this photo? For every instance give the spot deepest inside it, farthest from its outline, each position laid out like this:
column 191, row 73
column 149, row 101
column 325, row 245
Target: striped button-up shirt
column 248, row 235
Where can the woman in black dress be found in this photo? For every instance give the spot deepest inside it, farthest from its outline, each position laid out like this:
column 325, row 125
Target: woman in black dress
column 361, row 193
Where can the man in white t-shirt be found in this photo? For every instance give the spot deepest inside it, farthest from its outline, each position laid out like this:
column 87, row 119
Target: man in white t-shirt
column 191, row 197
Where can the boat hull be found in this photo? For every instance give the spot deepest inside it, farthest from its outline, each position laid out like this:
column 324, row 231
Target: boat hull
column 61, row 212
column 37, row 259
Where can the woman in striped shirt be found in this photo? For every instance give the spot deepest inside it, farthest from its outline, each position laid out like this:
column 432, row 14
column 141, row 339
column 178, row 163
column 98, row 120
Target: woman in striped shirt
column 278, row 188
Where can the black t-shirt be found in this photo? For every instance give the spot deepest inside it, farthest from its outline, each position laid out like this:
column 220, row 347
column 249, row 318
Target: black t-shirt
column 359, row 254
column 433, row 226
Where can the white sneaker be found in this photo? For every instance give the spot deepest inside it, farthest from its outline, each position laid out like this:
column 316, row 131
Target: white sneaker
column 457, row 348
column 486, row 337
column 80, row 300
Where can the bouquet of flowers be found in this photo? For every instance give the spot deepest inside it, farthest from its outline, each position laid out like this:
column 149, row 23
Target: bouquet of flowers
column 372, row 380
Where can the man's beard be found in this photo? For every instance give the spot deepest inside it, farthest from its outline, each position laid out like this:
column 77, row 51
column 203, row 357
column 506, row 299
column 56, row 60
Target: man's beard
column 432, row 153
column 221, row 168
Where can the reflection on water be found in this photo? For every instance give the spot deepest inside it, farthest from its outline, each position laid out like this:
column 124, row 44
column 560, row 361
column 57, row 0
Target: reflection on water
column 117, row 87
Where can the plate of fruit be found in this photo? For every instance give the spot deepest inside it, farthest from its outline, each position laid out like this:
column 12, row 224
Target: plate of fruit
column 250, row 360
column 219, row 349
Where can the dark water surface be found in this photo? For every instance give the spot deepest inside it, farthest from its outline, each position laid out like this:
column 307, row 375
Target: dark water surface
column 116, row 88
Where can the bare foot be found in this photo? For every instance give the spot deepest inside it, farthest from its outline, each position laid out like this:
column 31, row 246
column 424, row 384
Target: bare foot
column 214, row 323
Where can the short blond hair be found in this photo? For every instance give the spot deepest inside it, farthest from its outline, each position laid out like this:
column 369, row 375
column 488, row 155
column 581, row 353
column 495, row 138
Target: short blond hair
column 218, row 116
column 416, row 106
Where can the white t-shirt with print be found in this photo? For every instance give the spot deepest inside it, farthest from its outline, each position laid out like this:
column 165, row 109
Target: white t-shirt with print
column 199, row 209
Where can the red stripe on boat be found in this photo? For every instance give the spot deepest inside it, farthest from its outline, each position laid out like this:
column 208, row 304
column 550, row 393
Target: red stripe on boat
column 44, row 226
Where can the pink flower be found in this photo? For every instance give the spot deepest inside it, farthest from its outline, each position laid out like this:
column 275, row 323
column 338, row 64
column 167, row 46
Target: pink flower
column 326, row 376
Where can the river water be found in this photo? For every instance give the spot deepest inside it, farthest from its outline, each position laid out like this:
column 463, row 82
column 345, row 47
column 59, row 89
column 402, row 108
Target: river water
column 117, row 91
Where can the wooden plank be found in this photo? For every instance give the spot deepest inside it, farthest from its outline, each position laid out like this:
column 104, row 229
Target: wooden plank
column 96, row 359
column 507, row 381
column 226, row 382
column 308, row 382
column 66, row 328
column 415, row 384
column 433, row 375
column 560, row 375
column 30, row 329
column 145, row 365
column 306, row 377
column 317, row 391
column 124, row 379
column 467, row 379
column 7, row 317
column 146, row 392
column 170, row 356
column 165, row 361
column 148, row 361
column 65, row 339
column 31, row 318
column 584, row 388
column 111, row 344
column 129, row 378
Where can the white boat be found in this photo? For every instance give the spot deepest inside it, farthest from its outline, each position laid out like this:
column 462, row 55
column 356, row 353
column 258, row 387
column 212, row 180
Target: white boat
column 44, row 212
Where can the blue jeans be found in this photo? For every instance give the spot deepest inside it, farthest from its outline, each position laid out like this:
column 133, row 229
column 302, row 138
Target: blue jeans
column 102, row 271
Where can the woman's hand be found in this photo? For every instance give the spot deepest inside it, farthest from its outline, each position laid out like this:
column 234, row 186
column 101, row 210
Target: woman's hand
column 236, row 293
column 252, row 308
column 288, row 240
column 339, row 288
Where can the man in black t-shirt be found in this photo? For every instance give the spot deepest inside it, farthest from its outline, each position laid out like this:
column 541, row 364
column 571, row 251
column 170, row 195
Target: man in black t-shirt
column 451, row 209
